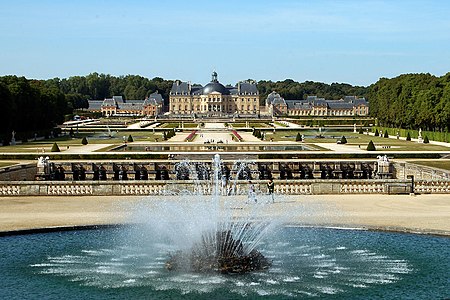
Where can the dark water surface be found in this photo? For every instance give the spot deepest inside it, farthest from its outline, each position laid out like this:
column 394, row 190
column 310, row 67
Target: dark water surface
column 307, row 263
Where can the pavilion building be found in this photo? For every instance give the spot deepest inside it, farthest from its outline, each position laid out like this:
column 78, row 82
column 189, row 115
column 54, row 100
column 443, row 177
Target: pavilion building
column 214, row 99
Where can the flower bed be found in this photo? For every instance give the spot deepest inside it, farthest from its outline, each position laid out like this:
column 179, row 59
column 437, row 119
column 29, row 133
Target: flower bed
column 191, row 136
column 236, row 135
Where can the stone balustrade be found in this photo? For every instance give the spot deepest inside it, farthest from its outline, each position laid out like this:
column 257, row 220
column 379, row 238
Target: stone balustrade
column 9, row 190
column 432, row 186
column 206, row 187
column 69, row 189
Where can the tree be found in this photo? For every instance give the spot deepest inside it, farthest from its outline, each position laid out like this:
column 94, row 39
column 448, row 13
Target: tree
column 343, row 140
column 408, row 137
column 376, row 132
column 130, row 139
column 84, row 141
column 298, row 138
column 371, row 146
column 425, row 140
column 55, row 148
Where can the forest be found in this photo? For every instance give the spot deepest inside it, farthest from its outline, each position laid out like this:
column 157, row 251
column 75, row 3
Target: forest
column 412, row 101
column 407, row 101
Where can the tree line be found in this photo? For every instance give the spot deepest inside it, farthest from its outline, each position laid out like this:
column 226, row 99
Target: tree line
column 292, row 90
column 412, row 101
column 406, row 101
column 29, row 105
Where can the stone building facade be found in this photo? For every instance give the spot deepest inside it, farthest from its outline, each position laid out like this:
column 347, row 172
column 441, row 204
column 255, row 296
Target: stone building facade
column 117, row 106
column 214, row 98
column 314, row 106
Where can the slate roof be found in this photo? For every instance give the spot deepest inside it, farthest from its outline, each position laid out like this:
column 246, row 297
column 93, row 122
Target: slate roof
column 109, row 102
column 156, row 97
column 95, row 105
column 120, row 103
column 180, row 88
column 247, row 88
column 348, row 102
column 242, row 88
column 274, row 98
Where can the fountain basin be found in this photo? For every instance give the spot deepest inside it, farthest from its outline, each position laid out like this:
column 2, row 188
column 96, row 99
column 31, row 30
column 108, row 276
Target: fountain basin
column 307, row 262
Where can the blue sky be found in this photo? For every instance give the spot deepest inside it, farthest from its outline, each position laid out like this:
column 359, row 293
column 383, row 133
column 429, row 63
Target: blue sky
column 355, row 42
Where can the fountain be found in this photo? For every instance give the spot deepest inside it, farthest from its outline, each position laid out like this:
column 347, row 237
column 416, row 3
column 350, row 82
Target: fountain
column 187, row 244
column 228, row 246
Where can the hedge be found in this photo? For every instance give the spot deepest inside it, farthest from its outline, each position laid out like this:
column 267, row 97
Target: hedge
column 439, row 136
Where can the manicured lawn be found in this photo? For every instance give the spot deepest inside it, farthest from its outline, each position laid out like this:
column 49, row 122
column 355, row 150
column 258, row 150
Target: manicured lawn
column 6, row 163
column 178, row 125
column 386, row 144
column 93, row 138
column 250, row 125
column 441, row 164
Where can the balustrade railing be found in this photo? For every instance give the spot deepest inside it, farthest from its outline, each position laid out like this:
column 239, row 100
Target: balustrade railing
column 206, row 187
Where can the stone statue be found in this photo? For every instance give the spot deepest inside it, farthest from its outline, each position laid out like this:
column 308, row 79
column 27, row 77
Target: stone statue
column 13, row 139
column 420, row 139
column 41, row 162
column 354, row 127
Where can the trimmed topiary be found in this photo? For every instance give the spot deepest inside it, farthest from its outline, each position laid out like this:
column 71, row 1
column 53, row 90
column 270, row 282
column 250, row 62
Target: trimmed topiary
column 376, row 132
column 84, row 141
column 130, row 139
column 343, row 140
column 408, row 137
column 425, row 140
column 371, row 146
column 298, row 138
column 55, row 148
column 360, row 130
column 386, row 135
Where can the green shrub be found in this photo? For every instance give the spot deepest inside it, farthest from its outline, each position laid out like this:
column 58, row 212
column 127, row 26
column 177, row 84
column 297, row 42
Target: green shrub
column 84, row 141
column 376, row 132
column 55, row 148
column 386, row 135
column 425, row 140
column 408, row 136
column 298, row 138
column 360, row 130
column 343, row 140
column 371, row 146
column 130, row 139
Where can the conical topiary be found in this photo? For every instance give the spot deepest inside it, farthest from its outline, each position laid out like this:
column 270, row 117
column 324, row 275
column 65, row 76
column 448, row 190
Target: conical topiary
column 376, row 132
column 408, row 137
column 343, row 140
column 425, row 140
column 298, row 138
column 55, row 148
column 371, row 146
column 84, row 141
column 130, row 139
column 360, row 130
column 386, row 135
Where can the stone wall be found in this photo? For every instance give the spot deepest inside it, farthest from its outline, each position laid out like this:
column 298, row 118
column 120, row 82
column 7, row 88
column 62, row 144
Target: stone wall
column 18, row 172
column 405, row 169
column 206, row 187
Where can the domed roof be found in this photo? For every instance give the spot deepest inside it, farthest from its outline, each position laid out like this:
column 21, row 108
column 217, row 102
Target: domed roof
column 215, row 86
